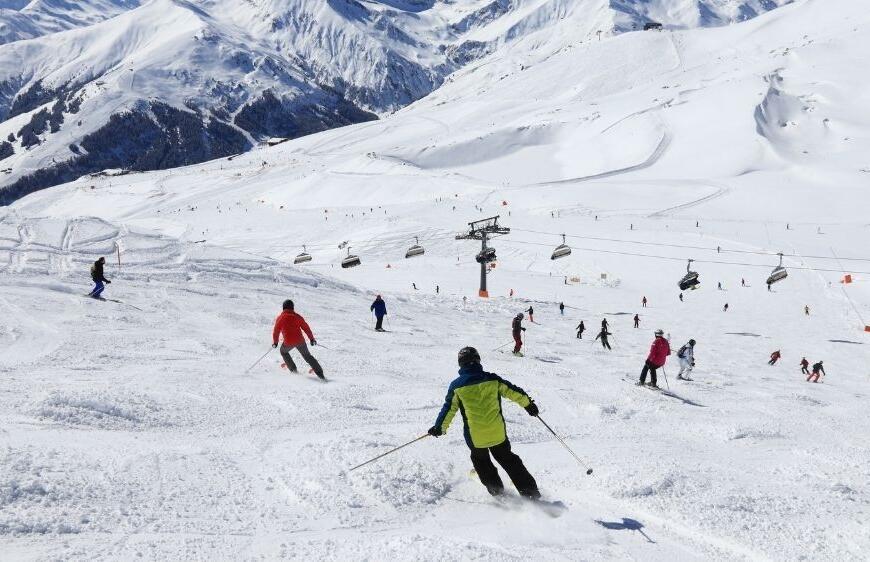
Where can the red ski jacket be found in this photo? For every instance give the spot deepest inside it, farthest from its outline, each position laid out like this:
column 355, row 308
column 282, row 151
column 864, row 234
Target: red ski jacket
column 290, row 325
column 659, row 351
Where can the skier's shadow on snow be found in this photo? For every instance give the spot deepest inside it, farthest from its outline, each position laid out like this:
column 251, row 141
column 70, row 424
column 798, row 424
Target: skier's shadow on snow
column 626, row 524
column 682, row 399
column 847, row 341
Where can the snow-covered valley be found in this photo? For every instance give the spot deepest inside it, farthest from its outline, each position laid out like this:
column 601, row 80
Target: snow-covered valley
column 134, row 429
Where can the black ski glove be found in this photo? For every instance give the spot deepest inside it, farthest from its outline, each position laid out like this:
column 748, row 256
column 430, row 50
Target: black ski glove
column 523, row 329
column 435, row 431
column 313, row 342
column 532, row 409
column 274, row 345
column 109, row 282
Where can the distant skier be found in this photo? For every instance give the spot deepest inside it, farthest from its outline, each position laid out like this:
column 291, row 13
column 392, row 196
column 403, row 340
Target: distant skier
column 603, row 336
column 531, row 312
column 604, row 324
column 720, row 285
column 517, row 331
column 414, row 285
column 636, row 321
column 290, row 326
column 511, row 293
column 818, row 369
column 477, row 395
column 805, row 366
column 681, row 297
column 774, row 357
column 580, row 329
column 686, row 355
column 658, row 354
column 379, row 307
column 437, row 290
column 643, row 302
column 99, row 278
column 742, row 282
column 562, row 308
column 725, row 308
column 806, row 310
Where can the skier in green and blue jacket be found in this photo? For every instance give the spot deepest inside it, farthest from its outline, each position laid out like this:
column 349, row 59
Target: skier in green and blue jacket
column 477, row 395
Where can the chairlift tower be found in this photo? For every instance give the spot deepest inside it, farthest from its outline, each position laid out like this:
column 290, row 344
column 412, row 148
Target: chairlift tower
column 482, row 230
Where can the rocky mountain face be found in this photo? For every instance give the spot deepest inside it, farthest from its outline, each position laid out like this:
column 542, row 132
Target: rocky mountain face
column 154, row 84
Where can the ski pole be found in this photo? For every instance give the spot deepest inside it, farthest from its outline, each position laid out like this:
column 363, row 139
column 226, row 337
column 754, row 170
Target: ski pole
column 665, row 373
column 323, row 346
column 501, row 346
column 258, row 360
column 424, row 436
column 562, row 441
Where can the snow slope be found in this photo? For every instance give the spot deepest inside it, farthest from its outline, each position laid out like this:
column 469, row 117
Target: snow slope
column 131, row 433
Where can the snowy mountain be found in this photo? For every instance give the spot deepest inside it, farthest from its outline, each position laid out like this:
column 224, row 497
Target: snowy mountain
column 161, row 425
column 110, row 84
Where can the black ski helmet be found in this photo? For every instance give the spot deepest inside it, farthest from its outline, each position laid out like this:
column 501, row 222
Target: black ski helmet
column 692, row 343
column 468, row 356
column 288, row 305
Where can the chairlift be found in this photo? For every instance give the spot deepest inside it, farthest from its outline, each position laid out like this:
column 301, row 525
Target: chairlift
column 690, row 279
column 486, row 256
column 779, row 273
column 415, row 250
column 303, row 257
column 561, row 250
column 350, row 261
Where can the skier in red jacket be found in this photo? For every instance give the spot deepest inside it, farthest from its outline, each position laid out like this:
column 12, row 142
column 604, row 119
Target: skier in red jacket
column 658, row 354
column 290, row 326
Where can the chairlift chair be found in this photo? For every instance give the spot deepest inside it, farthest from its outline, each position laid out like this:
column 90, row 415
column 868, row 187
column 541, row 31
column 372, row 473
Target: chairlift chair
column 415, row 250
column 350, row 261
column 561, row 250
column 303, row 257
column 486, row 256
column 690, row 279
column 778, row 274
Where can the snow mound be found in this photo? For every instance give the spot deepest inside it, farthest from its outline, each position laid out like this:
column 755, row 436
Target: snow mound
column 103, row 410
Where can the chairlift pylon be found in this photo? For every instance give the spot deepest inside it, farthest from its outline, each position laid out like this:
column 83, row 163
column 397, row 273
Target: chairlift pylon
column 415, row 250
column 561, row 250
column 303, row 257
column 350, row 261
column 690, row 279
column 778, row 274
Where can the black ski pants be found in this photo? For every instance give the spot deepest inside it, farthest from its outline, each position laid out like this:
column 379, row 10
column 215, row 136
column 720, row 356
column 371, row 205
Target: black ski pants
column 303, row 351
column 651, row 369
column 379, row 324
column 510, row 462
column 605, row 343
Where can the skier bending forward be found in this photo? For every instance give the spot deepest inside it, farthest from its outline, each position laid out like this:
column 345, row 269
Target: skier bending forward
column 477, row 395
column 290, row 325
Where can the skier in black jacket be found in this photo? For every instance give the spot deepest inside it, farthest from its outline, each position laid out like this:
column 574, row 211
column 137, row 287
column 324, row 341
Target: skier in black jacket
column 99, row 278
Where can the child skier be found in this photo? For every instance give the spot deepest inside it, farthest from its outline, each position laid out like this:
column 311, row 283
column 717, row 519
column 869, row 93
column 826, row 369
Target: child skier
column 658, row 354
column 477, row 394
column 805, row 366
column 290, row 325
column 562, row 308
column 636, row 321
column 686, row 355
column 580, row 329
column 531, row 312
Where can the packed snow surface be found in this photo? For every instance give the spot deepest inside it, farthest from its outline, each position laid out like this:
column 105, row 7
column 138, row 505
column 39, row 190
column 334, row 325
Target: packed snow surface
column 135, row 429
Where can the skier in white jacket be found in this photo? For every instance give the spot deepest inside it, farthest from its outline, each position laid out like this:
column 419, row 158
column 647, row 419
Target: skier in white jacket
column 686, row 355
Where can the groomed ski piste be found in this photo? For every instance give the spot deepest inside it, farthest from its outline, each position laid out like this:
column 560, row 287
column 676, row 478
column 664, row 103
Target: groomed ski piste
column 128, row 434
